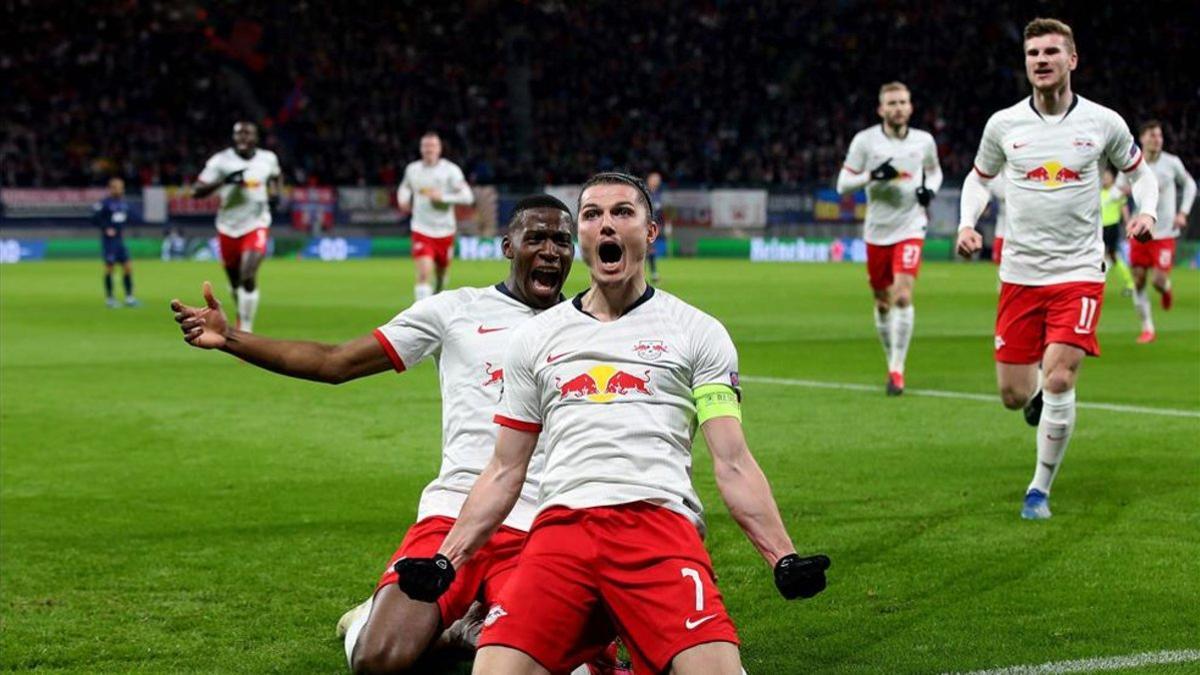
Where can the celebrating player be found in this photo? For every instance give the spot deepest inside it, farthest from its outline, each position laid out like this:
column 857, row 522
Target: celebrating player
column 616, row 380
column 899, row 168
column 1114, row 210
column 1049, row 147
column 429, row 190
column 249, row 182
column 1173, row 209
column 110, row 215
column 467, row 331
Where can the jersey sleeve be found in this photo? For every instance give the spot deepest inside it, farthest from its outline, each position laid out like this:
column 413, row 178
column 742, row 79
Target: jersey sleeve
column 1187, row 185
column 520, row 402
column 212, row 172
column 1119, row 146
column 416, row 333
column 715, row 358
column 990, row 158
column 856, row 155
column 276, row 171
column 404, row 192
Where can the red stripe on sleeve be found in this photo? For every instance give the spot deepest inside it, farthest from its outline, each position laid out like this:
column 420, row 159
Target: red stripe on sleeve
column 1134, row 165
column 519, row 425
column 853, row 171
column 384, row 342
column 982, row 173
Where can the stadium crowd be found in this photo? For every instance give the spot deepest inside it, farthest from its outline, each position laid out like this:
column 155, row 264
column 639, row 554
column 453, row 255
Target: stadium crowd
column 523, row 93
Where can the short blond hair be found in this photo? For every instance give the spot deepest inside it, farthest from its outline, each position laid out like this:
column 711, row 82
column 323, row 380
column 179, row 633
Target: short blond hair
column 892, row 86
column 1043, row 26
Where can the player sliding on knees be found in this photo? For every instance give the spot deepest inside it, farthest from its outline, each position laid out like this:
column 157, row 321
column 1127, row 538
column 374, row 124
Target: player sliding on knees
column 899, row 168
column 1049, row 147
column 615, row 382
column 468, row 332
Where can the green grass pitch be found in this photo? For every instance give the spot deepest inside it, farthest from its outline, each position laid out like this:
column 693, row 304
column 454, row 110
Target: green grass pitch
column 167, row 509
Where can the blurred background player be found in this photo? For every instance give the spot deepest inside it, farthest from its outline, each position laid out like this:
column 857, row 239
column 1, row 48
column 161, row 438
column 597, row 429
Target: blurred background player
column 899, row 168
column 110, row 215
column 654, row 185
column 249, row 182
column 1173, row 209
column 429, row 190
column 1114, row 210
column 1050, row 146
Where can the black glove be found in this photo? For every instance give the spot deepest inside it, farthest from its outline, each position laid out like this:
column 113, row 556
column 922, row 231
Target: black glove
column 884, row 171
column 235, row 178
column 424, row 579
column 924, row 195
column 797, row 577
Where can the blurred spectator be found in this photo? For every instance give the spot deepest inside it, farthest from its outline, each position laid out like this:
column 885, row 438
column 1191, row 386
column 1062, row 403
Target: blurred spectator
column 708, row 91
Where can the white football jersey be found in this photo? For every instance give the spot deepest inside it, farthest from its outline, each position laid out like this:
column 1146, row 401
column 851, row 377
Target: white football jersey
column 1171, row 175
column 243, row 207
column 893, row 213
column 613, row 400
column 1052, row 172
column 996, row 188
column 430, row 218
column 467, row 331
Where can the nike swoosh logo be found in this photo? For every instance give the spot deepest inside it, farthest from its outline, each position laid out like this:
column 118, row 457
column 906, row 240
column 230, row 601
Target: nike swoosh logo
column 551, row 358
column 483, row 330
column 1051, row 438
column 689, row 624
column 1018, row 146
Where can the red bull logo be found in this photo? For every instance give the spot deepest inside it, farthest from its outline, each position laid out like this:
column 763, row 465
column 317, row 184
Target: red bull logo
column 602, row 384
column 494, row 375
column 1053, row 174
column 650, row 350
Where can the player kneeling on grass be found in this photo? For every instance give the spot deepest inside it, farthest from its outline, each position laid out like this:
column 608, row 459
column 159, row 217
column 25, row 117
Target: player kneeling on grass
column 1049, row 147
column 467, row 331
column 616, row 382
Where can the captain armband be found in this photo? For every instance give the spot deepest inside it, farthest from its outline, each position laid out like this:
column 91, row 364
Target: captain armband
column 716, row 400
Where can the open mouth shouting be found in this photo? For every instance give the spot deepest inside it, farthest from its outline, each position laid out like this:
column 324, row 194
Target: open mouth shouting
column 610, row 256
column 546, row 280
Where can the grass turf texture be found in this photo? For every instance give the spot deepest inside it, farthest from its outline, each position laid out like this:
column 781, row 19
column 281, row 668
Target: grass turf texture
column 168, row 509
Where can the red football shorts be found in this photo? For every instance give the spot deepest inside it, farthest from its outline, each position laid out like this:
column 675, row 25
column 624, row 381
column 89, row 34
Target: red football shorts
column 232, row 248
column 1031, row 317
column 1156, row 253
column 997, row 249
column 885, row 262
column 441, row 249
column 481, row 578
column 637, row 570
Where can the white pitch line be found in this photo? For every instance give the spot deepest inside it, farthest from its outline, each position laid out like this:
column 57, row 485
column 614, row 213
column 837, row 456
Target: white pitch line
column 966, row 396
column 1097, row 664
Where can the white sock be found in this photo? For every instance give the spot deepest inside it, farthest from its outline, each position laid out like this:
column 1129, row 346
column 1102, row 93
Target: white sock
column 247, row 307
column 352, row 632
column 1053, row 435
column 902, row 329
column 883, row 327
column 422, row 291
column 1141, row 303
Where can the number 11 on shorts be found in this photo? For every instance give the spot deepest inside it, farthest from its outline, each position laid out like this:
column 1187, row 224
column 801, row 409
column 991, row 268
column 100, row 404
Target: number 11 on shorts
column 1087, row 314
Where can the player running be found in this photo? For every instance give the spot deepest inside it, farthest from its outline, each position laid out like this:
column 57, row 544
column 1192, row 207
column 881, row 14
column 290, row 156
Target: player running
column 1173, row 209
column 1049, row 147
column 616, row 380
column 429, row 190
column 249, row 182
column 111, row 215
column 899, row 168
column 467, row 331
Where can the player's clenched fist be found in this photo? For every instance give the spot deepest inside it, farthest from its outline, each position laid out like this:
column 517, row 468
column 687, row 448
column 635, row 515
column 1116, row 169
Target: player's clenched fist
column 424, row 579
column 969, row 242
column 1141, row 228
column 797, row 577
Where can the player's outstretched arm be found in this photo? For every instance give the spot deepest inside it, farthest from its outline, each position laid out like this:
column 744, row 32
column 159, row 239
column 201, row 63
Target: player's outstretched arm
column 207, row 328
column 746, row 492
column 975, row 198
column 492, row 497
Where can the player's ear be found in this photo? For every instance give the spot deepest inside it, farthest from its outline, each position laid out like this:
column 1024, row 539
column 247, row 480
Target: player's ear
column 506, row 246
column 652, row 230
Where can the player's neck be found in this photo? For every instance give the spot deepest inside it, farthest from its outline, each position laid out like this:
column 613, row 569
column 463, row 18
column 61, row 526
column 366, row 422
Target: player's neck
column 245, row 154
column 1055, row 101
column 430, row 164
column 609, row 301
column 1152, row 157
column 895, row 132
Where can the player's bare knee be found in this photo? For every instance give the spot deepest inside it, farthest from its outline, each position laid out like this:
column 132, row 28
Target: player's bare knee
column 249, row 284
column 903, row 298
column 1059, row 380
column 1013, row 399
column 372, row 657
